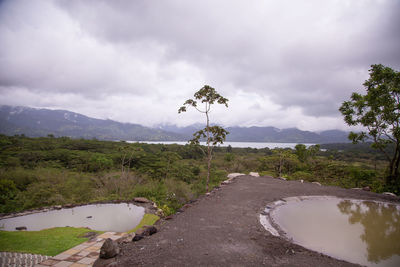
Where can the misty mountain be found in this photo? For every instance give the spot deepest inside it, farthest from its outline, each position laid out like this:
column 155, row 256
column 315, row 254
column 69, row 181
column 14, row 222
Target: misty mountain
column 267, row 134
column 41, row 122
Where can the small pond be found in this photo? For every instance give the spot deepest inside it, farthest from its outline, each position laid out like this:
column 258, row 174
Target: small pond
column 102, row 217
column 363, row 232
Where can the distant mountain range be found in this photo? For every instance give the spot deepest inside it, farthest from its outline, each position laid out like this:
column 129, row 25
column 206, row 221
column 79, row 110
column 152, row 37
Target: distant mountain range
column 268, row 134
column 42, row 122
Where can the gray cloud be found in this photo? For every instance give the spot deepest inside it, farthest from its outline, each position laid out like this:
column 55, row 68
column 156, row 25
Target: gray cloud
column 282, row 63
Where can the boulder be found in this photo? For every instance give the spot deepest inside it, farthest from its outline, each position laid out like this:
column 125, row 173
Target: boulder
column 389, row 194
column 282, row 178
column 21, row 228
column 255, row 174
column 366, row 188
column 137, row 238
column 109, row 249
column 141, row 200
column 146, row 230
column 90, row 235
column 126, row 238
column 233, row 175
column 316, row 183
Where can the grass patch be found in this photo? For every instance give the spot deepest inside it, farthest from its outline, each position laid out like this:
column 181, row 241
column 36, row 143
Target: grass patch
column 48, row 242
column 148, row 219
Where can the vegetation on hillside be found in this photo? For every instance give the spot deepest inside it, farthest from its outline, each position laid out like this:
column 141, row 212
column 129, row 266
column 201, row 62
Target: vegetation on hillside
column 37, row 172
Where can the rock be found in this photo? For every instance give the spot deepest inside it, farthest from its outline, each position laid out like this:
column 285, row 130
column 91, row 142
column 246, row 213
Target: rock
column 316, row 183
column 109, row 249
column 137, row 238
column 126, row 238
column 58, row 207
column 282, row 178
column 389, row 194
column 366, row 188
column 105, row 262
column 89, row 217
column 356, row 188
column 69, row 205
column 90, row 235
column 141, row 200
column 302, row 181
column 255, row 174
column 21, row 228
column 233, row 175
column 146, row 230
column 168, row 218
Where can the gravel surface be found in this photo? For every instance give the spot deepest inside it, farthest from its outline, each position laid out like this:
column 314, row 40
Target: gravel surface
column 223, row 229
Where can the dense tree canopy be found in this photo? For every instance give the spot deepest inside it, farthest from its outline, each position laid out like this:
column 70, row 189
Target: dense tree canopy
column 378, row 111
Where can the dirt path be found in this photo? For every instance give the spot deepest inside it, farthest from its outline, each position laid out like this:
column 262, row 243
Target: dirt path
column 223, row 229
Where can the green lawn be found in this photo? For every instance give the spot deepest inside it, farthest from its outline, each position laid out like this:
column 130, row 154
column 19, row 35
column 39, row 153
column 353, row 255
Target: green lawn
column 46, row 242
column 54, row 240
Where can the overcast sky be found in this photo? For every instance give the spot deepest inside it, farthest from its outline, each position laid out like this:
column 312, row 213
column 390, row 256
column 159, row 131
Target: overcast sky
column 280, row 63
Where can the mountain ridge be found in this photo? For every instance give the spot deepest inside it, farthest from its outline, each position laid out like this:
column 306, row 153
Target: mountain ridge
column 37, row 122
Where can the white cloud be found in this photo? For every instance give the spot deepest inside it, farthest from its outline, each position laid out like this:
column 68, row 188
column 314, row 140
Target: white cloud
column 282, row 64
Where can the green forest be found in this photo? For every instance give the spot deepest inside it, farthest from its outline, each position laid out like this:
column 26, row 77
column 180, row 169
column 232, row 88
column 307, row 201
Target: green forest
column 46, row 171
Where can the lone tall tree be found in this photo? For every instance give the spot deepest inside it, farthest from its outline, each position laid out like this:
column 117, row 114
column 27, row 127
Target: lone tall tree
column 379, row 113
column 214, row 135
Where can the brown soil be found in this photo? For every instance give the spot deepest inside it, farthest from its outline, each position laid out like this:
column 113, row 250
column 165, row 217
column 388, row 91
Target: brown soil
column 223, row 229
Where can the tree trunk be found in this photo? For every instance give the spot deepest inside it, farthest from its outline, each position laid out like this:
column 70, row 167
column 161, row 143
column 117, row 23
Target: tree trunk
column 208, row 151
column 396, row 164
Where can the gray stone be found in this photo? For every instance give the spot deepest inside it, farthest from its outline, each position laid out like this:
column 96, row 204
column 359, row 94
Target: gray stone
column 141, row 200
column 109, row 249
column 389, row 194
column 146, row 230
column 126, row 238
column 236, row 174
column 137, row 237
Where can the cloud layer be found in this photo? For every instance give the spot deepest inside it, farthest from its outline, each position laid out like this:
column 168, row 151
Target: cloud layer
column 281, row 63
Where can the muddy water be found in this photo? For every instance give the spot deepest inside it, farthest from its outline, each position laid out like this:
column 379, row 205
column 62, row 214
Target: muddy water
column 103, row 217
column 363, row 232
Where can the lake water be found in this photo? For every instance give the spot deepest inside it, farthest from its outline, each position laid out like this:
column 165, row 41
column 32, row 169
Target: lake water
column 103, row 217
column 257, row 145
column 363, row 232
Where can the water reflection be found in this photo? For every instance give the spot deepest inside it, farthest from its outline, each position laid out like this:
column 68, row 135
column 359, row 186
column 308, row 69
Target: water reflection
column 381, row 224
column 362, row 232
column 103, row 217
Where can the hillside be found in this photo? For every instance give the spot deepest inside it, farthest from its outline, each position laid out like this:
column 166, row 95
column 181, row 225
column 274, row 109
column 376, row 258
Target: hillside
column 41, row 122
column 268, row 134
